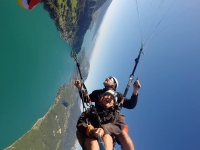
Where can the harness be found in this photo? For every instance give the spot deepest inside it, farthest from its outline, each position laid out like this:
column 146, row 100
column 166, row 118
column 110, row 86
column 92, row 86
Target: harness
column 97, row 117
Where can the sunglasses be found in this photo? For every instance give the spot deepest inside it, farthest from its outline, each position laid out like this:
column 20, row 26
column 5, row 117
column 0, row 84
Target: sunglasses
column 112, row 79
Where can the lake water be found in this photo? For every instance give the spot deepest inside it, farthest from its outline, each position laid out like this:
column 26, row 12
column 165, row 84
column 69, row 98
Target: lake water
column 34, row 62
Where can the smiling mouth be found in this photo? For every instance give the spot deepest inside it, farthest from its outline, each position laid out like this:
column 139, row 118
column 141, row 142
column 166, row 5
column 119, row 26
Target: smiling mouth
column 107, row 101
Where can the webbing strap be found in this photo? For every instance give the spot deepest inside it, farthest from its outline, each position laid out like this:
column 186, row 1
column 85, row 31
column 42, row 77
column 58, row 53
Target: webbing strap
column 84, row 92
column 131, row 76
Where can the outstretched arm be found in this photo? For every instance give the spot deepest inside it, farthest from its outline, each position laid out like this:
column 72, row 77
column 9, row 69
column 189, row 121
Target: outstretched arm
column 136, row 87
column 84, row 96
column 132, row 102
column 93, row 97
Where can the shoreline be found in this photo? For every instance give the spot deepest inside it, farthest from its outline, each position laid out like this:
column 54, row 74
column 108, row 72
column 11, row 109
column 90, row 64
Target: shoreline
column 59, row 126
column 53, row 129
column 73, row 19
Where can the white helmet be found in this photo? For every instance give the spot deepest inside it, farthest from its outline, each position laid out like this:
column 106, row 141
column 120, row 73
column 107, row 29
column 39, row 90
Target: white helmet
column 115, row 81
column 113, row 93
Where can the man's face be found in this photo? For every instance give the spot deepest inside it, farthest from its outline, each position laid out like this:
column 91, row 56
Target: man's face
column 108, row 100
column 109, row 82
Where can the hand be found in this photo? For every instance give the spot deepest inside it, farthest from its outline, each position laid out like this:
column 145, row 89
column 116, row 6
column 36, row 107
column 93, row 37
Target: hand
column 97, row 131
column 78, row 84
column 137, row 84
column 88, row 99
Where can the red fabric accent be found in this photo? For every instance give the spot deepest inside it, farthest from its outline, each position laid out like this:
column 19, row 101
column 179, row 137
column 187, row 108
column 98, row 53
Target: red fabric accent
column 33, row 3
column 101, row 99
column 126, row 128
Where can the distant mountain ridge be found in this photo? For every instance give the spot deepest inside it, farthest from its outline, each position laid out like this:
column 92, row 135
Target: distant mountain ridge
column 101, row 15
column 72, row 18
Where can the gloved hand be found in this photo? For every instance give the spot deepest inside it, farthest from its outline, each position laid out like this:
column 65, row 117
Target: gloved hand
column 78, row 84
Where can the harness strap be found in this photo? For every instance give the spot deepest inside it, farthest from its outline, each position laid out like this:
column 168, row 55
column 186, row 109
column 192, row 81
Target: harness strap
column 84, row 92
column 131, row 76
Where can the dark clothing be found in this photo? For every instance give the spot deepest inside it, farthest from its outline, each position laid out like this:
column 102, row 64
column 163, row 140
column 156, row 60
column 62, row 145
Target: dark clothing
column 128, row 103
column 110, row 120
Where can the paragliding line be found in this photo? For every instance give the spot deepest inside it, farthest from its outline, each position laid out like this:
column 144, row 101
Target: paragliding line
column 132, row 75
column 82, row 79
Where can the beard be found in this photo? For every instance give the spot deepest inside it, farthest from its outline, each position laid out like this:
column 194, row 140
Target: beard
column 105, row 84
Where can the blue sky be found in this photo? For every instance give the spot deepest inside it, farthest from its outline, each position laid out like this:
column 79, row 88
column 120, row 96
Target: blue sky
column 167, row 115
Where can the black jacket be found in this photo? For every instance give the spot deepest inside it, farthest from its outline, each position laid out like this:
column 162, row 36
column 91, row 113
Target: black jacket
column 128, row 103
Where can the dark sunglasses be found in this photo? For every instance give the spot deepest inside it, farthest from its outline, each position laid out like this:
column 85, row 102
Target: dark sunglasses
column 111, row 78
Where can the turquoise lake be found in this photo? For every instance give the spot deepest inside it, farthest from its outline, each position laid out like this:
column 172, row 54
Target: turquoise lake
column 34, row 62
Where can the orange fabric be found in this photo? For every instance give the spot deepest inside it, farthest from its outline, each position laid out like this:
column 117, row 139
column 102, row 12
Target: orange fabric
column 126, row 128
column 88, row 130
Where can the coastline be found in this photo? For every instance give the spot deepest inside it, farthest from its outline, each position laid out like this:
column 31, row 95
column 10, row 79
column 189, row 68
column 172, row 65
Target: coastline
column 53, row 125
column 52, row 130
column 56, row 129
column 73, row 19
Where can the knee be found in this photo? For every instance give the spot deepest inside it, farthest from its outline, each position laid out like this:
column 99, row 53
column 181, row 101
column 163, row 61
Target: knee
column 107, row 139
column 123, row 137
column 91, row 144
column 125, row 141
column 80, row 138
column 108, row 142
column 124, row 134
